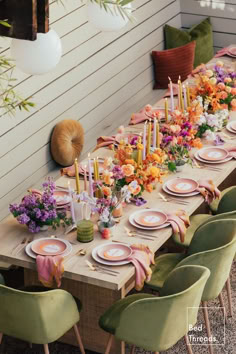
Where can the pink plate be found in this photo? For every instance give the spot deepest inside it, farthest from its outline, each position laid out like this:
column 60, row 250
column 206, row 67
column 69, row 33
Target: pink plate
column 232, row 50
column 213, row 154
column 114, row 252
column 62, row 197
column 182, row 185
column 150, row 218
column 49, row 247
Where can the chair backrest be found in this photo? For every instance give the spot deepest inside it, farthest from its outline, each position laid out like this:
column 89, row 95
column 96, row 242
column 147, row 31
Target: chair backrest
column 2, row 281
column 227, row 202
column 213, row 246
column 223, row 216
column 36, row 317
column 157, row 323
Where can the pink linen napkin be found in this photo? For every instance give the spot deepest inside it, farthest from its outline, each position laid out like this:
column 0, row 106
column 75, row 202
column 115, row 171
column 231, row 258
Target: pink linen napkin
column 222, row 52
column 232, row 151
column 208, row 190
column 142, row 116
column 142, row 257
column 70, row 171
column 179, row 222
column 175, row 90
column 50, row 268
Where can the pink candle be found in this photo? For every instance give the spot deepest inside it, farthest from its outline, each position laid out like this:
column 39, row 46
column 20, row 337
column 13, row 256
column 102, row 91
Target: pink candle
column 85, row 178
column 72, row 210
column 90, row 177
column 171, row 97
column 144, row 140
column 154, row 133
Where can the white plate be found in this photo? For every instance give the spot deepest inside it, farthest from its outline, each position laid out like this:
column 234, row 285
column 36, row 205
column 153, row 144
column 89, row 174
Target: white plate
column 214, row 162
column 228, row 127
column 102, row 261
column 30, row 253
column 165, row 189
column 132, row 221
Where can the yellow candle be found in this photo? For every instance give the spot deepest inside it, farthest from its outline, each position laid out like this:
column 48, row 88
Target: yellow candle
column 181, row 101
column 77, row 176
column 166, row 110
column 149, row 137
column 188, row 95
column 95, row 170
column 139, row 157
column 158, row 137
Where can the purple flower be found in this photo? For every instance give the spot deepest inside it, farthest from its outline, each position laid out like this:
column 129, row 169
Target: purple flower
column 117, row 172
column 139, row 201
column 167, row 139
column 183, row 133
column 218, row 140
column 134, row 140
column 23, row 219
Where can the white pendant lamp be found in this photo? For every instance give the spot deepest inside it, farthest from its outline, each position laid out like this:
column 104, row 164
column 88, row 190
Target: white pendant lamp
column 103, row 20
column 37, row 57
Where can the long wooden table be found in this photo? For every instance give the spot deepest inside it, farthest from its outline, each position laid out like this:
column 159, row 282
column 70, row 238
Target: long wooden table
column 98, row 291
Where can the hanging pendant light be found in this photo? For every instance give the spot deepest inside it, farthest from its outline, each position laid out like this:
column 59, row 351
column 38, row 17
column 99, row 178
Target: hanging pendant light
column 37, row 57
column 110, row 20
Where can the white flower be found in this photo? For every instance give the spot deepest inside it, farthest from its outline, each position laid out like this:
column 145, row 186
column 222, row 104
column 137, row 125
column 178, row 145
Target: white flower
column 212, row 120
column 133, row 184
column 105, row 216
column 209, row 135
column 202, row 120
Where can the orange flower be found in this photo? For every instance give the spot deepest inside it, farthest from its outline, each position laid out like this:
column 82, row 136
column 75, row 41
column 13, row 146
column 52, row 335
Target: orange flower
column 149, row 188
column 197, row 143
column 136, row 191
column 130, row 162
column 107, row 177
column 128, row 170
column 233, row 103
column 233, row 91
column 106, row 191
column 154, row 171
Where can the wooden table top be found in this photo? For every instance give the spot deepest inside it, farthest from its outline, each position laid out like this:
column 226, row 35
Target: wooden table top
column 12, row 233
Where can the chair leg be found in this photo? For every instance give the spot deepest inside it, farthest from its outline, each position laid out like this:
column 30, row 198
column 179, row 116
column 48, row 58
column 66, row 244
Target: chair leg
column 46, row 349
column 205, row 313
column 228, row 288
column 222, row 305
column 109, row 343
column 79, row 340
column 189, row 347
column 1, row 335
column 132, row 350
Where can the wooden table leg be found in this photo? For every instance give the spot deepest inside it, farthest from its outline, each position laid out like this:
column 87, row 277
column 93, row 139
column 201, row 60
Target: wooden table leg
column 95, row 301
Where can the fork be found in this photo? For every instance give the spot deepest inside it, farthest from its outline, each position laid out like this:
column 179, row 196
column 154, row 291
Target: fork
column 139, row 235
column 177, row 201
column 207, row 167
column 98, row 269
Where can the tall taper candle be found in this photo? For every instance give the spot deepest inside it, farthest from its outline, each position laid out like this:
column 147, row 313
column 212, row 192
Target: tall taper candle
column 77, row 177
column 72, row 210
column 188, row 95
column 154, row 142
column 185, row 97
column 139, row 156
column 158, row 137
column 144, row 140
column 90, row 177
column 85, row 177
column 179, row 95
column 166, row 110
column 149, row 137
column 172, row 105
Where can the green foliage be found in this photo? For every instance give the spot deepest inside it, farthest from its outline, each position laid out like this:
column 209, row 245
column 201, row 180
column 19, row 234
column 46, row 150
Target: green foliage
column 202, row 129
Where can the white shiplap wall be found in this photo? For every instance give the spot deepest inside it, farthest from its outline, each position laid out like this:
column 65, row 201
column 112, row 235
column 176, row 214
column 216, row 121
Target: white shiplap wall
column 222, row 14
column 101, row 79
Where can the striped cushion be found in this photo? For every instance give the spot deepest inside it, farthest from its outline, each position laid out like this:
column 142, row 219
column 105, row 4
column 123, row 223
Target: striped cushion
column 173, row 63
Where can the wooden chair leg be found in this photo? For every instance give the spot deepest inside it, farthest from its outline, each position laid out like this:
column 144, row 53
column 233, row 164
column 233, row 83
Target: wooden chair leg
column 205, row 313
column 222, row 305
column 156, row 353
column 189, row 347
column 46, row 349
column 228, row 288
column 1, row 335
column 109, row 343
column 132, row 350
column 79, row 340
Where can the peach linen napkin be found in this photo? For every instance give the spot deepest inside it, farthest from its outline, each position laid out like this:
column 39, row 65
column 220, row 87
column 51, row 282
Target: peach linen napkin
column 50, row 268
column 232, row 151
column 141, row 116
column 208, row 189
column 222, row 52
column 142, row 257
column 179, row 222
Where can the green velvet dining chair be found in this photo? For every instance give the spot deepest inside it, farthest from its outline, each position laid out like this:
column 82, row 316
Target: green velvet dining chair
column 213, row 246
column 157, row 323
column 215, row 204
column 226, row 204
column 38, row 317
column 2, row 281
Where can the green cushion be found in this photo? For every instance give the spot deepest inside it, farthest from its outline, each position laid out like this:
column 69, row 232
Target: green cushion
column 2, row 279
column 214, row 205
column 38, row 288
column 161, row 269
column 201, row 32
column 195, row 222
column 110, row 320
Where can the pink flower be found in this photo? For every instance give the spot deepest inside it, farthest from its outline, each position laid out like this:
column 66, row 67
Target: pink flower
column 233, row 91
column 227, row 79
column 224, row 95
column 228, row 89
column 233, row 104
column 221, row 86
column 148, row 108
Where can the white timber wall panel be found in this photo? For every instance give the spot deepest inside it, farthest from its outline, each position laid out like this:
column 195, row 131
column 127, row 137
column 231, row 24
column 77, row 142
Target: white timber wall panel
column 101, row 79
column 222, row 14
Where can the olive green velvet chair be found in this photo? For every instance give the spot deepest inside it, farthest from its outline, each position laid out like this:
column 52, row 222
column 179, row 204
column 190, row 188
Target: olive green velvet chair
column 157, row 323
column 38, row 317
column 213, row 246
column 2, row 279
column 215, row 204
column 226, row 204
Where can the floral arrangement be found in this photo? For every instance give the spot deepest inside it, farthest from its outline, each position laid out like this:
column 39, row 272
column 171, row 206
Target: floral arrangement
column 216, row 87
column 209, row 124
column 37, row 210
